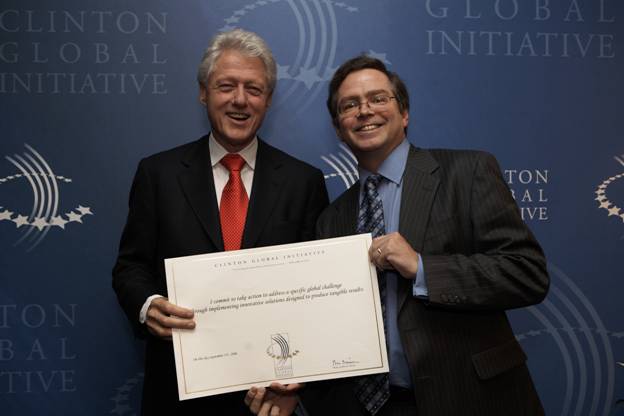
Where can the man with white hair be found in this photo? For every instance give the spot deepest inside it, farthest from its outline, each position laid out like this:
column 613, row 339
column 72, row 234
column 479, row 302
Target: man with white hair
column 225, row 191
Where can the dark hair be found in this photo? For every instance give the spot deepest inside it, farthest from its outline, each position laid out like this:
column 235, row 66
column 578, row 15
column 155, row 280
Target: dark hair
column 357, row 64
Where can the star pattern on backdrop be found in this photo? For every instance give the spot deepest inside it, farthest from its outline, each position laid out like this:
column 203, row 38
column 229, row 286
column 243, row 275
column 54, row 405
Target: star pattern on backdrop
column 603, row 200
column 308, row 76
column 378, row 55
column 40, row 222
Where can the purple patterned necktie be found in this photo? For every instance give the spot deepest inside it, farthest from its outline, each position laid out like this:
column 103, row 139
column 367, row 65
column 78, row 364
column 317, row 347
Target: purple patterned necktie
column 374, row 390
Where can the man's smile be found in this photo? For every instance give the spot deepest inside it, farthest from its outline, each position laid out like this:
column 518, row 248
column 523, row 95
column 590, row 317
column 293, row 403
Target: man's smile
column 238, row 116
column 369, row 127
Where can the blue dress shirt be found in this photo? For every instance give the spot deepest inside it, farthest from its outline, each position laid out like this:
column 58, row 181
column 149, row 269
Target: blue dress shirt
column 390, row 189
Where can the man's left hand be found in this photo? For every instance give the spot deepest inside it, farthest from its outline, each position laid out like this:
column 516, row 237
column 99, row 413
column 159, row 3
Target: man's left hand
column 392, row 251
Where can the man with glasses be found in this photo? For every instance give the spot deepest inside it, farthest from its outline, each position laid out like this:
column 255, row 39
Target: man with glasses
column 452, row 254
column 225, row 191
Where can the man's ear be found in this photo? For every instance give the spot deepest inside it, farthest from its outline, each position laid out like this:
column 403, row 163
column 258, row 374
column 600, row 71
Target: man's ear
column 203, row 95
column 337, row 130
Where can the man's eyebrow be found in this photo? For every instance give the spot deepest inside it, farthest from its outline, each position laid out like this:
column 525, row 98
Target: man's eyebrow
column 375, row 92
column 223, row 79
column 234, row 80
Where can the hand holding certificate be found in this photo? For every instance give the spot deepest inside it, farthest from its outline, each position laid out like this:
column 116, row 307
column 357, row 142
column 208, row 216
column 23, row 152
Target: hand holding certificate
column 292, row 313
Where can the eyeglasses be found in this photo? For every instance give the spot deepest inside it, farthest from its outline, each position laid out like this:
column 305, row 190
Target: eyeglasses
column 352, row 107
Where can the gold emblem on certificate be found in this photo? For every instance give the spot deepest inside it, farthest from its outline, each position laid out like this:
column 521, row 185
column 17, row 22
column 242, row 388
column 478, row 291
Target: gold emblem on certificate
column 282, row 355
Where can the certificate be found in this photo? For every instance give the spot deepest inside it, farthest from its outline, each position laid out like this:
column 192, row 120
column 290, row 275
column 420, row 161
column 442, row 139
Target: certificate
column 290, row 313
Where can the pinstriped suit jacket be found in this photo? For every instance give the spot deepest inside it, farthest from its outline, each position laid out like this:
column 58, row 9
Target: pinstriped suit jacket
column 479, row 260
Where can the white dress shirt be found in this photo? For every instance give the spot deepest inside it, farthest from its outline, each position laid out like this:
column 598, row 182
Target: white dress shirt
column 221, row 176
column 220, row 173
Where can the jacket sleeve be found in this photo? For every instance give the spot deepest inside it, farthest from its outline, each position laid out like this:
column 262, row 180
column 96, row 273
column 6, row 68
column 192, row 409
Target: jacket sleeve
column 134, row 273
column 504, row 268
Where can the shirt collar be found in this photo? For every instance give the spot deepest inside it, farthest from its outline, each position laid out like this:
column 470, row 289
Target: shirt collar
column 248, row 153
column 392, row 168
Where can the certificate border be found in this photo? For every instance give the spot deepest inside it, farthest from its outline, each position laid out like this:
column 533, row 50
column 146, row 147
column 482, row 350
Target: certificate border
column 364, row 239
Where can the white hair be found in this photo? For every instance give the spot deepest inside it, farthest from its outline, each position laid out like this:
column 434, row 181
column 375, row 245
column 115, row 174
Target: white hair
column 245, row 42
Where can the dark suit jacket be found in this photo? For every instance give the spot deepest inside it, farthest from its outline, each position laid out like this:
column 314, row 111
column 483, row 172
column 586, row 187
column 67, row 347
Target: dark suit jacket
column 174, row 212
column 479, row 260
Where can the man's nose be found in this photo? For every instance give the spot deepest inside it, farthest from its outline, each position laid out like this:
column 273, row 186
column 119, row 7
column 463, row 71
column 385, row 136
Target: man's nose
column 239, row 95
column 365, row 109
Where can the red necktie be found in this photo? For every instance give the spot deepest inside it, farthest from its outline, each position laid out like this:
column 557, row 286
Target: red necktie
column 234, row 201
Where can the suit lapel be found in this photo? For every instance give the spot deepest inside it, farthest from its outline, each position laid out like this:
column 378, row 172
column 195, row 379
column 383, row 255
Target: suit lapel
column 197, row 184
column 346, row 218
column 419, row 189
column 265, row 190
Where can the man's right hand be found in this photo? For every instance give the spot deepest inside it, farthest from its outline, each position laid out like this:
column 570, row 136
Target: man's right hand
column 163, row 315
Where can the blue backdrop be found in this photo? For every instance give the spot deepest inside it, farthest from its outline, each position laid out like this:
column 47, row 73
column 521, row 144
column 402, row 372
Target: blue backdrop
column 88, row 88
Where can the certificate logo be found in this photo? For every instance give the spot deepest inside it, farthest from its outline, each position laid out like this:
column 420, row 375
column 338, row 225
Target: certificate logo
column 280, row 351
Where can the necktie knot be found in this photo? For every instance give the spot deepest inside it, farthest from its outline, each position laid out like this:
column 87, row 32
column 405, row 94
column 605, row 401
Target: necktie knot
column 233, row 162
column 371, row 186
column 372, row 182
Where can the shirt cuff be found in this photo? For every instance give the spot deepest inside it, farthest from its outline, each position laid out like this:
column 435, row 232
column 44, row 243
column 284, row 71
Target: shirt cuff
column 419, row 288
column 148, row 302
